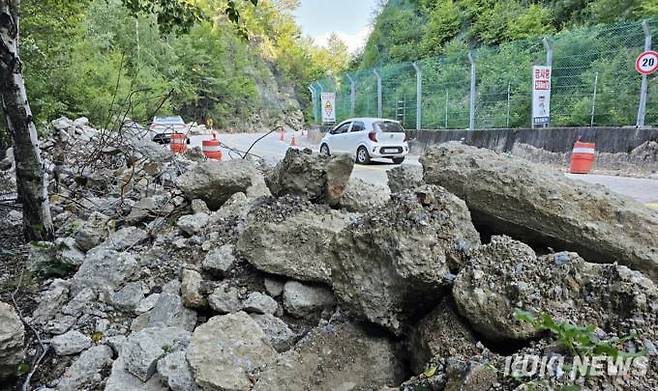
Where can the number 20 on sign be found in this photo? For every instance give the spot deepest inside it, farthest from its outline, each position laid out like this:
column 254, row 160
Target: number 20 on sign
column 647, row 62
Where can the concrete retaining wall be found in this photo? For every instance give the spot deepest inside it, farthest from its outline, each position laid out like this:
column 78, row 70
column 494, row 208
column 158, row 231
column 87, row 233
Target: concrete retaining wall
column 549, row 139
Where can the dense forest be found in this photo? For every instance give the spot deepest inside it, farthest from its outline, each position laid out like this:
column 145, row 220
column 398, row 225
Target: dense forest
column 406, row 30
column 98, row 54
column 595, row 44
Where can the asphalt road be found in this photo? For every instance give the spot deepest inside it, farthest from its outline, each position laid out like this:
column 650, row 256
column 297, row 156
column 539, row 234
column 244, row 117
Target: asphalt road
column 272, row 149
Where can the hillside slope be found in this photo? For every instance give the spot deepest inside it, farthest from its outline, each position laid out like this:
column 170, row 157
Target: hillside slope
column 406, row 30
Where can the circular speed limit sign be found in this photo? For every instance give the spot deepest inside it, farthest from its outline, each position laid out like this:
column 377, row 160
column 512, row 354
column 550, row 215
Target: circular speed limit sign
column 647, row 63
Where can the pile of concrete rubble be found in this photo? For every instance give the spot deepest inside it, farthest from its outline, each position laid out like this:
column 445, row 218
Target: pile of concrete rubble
column 171, row 272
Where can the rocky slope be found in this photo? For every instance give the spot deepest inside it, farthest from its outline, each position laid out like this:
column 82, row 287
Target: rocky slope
column 171, row 272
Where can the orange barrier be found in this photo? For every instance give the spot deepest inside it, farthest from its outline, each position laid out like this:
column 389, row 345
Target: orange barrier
column 178, row 143
column 582, row 158
column 211, row 149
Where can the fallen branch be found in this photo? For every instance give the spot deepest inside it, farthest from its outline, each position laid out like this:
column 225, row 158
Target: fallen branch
column 44, row 347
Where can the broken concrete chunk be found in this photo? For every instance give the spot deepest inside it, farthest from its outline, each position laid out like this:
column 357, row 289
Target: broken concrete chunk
column 226, row 349
column 362, row 197
column 225, row 300
column 85, row 372
column 72, row 342
column 442, row 333
column 296, row 248
column 12, row 334
column 219, row 260
column 317, row 177
column 104, row 270
column 301, row 300
column 273, row 287
column 259, row 303
column 404, row 177
column 340, row 357
column 276, row 331
column 215, row 182
column 191, row 289
column 511, row 196
column 395, row 262
column 144, row 348
column 193, row 224
column 175, row 372
column 506, row 275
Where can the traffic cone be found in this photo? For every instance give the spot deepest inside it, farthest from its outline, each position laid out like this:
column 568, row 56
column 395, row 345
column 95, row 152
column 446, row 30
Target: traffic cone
column 282, row 137
column 293, row 142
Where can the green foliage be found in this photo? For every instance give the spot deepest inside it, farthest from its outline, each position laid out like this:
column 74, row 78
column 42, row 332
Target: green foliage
column 23, row 369
column 397, row 37
column 99, row 57
column 97, row 336
column 443, row 25
column 580, row 340
column 535, row 21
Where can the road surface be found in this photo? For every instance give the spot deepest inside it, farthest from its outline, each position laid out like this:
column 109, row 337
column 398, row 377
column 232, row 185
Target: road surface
column 272, row 149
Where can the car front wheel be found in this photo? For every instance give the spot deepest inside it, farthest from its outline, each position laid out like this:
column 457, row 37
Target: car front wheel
column 362, row 156
column 324, row 150
column 398, row 160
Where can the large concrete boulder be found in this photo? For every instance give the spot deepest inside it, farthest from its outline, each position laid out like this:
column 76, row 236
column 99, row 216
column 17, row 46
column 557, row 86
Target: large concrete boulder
column 396, row 261
column 12, row 340
column 507, row 275
column 226, row 349
column 336, row 357
column 530, row 203
column 317, row 177
column 295, row 248
column 215, row 182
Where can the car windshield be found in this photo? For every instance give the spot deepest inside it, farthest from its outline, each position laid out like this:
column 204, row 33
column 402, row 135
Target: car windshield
column 389, row 127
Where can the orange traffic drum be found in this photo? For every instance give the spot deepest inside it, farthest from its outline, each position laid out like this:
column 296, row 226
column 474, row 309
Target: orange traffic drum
column 178, row 143
column 211, row 149
column 582, row 158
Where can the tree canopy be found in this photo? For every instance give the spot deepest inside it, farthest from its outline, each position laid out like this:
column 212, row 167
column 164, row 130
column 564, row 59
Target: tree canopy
column 406, row 30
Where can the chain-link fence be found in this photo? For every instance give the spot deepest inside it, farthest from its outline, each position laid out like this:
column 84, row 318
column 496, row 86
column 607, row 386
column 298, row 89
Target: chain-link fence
column 594, row 83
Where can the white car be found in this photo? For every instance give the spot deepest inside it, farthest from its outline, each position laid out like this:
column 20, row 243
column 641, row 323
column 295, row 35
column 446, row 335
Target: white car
column 163, row 127
column 367, row 138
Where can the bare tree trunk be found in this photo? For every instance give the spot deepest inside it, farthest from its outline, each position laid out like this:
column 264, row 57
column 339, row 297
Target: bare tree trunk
column 31, row 178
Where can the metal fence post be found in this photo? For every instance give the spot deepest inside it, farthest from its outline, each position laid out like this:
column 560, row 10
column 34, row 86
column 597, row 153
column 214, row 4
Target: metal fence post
column 471, row 113
column 352, row 94
column 642, row 109
column 509, row 94
column 419, row 96
column 596, row 84
column 320, row 105
column 548, row 46
column 380, row 112
column 313, row 102
column 447, row 100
